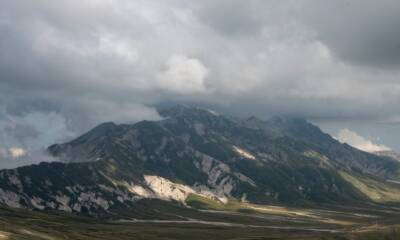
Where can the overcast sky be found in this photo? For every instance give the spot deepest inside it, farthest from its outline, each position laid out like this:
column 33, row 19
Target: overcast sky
column 66, row 66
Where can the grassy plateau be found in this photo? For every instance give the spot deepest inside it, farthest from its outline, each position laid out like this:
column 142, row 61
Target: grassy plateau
column 208, row 220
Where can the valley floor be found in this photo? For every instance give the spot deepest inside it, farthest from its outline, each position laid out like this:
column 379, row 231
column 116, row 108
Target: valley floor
column 263, row 222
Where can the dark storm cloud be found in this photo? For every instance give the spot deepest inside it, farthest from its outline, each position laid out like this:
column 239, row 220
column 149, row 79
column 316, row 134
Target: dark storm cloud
column 66, row 66
column 232, row 17
column 364, row 32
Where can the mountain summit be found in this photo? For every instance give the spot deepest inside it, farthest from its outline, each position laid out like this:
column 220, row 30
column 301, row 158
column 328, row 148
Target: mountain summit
column 194, row 152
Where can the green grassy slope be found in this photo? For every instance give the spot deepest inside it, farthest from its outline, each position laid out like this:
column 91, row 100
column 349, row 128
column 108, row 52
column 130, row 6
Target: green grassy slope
column 265, row 222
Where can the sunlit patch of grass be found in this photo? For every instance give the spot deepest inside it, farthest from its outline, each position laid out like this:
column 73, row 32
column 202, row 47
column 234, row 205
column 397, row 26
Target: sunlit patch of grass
column 37, row 234
column 204, row 203
column 201, row 202
column 376, row 232
column 35, row 225
column 379, row 192
column 324, row 161
column 4, row 235
column 296, row 213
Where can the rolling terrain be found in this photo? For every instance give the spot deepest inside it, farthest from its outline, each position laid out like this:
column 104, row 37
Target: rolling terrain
column 266, row 222
column 196, row 172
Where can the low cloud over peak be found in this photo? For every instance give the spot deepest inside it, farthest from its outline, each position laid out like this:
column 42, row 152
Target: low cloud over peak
column 183, row 75
column 358, row 141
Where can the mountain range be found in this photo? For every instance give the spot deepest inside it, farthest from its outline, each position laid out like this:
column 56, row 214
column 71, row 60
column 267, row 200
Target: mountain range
column 198, row 159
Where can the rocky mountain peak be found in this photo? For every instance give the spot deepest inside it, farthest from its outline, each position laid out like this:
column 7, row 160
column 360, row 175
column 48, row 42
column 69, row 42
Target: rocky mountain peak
column 196, row 151
column 190, row 112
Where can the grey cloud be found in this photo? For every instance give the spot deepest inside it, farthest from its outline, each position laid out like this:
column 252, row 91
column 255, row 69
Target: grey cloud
column 80, row 63
column 361, row 31
column 17, row 157
column 232, row 17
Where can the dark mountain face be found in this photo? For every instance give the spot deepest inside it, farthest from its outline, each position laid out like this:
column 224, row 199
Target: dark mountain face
column 197, row 152
column 389, row 154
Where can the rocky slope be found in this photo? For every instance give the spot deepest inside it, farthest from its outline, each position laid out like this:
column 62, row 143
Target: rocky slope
column 390, row 154
column 197, row 152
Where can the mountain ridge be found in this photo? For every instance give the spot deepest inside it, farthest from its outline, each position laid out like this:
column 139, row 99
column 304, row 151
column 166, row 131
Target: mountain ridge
column 196, row 151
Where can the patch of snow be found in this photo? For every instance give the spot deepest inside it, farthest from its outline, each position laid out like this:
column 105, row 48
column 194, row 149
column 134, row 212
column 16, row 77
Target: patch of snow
column 91, row 198
column 37, row 203
column 14, row 179
column 213, row 112
column 393, row 181
column 244, row 198
column 200, row 128
column 139, row 190
column 9, row 198
column 63, row 200
column 220, row 177
column 244, row 153
column 165, row 189
column 244, row 178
